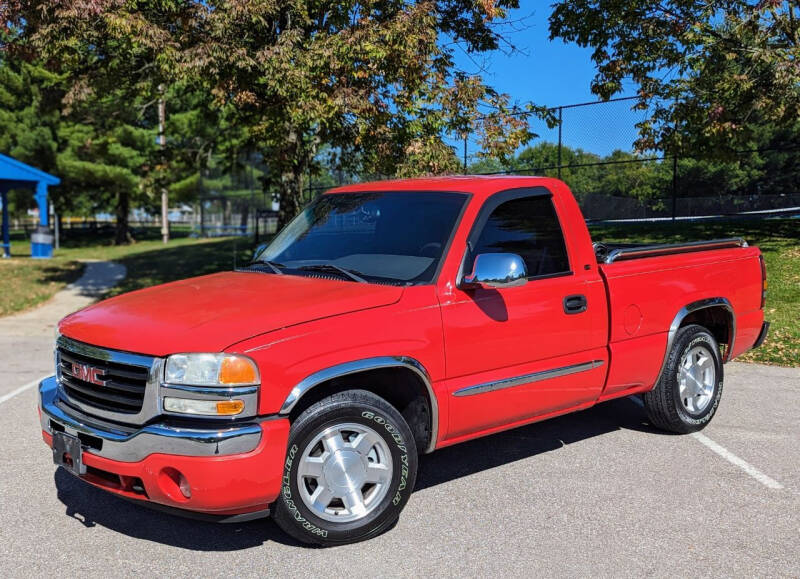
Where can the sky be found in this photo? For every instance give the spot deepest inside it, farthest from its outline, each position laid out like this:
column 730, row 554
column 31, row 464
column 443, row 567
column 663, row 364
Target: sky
column 553, row 73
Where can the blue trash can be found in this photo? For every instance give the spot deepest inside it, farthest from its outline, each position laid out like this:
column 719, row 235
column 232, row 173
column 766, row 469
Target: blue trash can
column 42, row 243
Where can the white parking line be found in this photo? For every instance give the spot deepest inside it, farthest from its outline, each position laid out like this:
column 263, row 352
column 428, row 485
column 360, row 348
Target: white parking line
column 727, row 455
column 21, row 389
column 733, row 459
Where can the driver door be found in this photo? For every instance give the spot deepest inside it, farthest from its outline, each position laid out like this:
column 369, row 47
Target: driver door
column 515, row 353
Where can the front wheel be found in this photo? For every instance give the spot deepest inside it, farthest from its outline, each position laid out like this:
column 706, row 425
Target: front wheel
column 350, row 468
column 687, row 395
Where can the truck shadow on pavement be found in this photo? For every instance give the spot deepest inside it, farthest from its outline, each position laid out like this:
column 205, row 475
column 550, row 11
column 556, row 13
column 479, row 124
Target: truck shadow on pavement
column 94, row 507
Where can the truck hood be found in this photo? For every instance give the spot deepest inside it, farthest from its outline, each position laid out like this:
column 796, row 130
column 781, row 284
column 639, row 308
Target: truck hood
column 210, row 313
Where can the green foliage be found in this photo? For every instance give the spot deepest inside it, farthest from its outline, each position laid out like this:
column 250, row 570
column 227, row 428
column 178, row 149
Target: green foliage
column 772, row 170
column 288, row 93
column 373, row 81
column 27, row 127
column 708, row 72
column 206, row 145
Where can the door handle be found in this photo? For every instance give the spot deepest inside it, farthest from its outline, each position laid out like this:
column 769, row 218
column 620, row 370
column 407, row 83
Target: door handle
column 575, row 304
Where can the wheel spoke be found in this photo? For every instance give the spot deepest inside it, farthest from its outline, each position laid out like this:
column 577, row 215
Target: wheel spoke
column 699, row 388
column 312, row 466
column 354, row 501
column 364, row 443
column 322, row 497
column 378, row 473
column 691, row 386
column 333, row 441
column 684, row 379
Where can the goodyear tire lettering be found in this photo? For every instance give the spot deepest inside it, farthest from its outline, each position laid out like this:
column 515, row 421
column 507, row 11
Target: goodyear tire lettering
column 286, row 493
column 398, row 441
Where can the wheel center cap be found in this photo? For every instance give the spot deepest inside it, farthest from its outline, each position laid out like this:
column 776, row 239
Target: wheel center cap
column 344, row 472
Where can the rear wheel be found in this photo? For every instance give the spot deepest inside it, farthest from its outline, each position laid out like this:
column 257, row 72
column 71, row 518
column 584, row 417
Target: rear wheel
column 349, row 471
column 687, row 395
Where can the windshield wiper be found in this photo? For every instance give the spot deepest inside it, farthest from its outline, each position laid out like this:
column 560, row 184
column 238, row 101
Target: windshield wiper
column 275, row 267
column 353, row 275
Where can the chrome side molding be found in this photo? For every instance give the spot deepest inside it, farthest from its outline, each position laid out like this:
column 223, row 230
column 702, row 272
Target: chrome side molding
column 357, row 366
column 528, row 378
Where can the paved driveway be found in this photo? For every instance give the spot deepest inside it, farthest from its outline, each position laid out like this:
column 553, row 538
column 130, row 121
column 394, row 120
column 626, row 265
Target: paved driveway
column 595, row 493
column 598, row 492
column 26, row 339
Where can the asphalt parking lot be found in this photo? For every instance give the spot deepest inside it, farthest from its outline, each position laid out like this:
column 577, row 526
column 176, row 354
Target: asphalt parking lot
column 598, row 492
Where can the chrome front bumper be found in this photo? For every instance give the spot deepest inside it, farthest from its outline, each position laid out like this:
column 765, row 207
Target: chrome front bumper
column 133, row 444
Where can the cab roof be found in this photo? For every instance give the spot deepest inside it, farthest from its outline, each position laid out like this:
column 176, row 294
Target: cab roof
column 478, row 185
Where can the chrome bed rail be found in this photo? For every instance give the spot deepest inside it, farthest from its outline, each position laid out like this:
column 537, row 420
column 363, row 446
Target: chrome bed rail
column 626, row 253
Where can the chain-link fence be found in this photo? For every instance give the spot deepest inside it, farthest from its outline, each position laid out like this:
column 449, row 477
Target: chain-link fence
column 238, row 203
column 592, row 149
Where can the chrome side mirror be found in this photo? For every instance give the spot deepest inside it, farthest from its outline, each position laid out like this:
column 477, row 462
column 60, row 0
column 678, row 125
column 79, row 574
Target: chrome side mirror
column 496, row 270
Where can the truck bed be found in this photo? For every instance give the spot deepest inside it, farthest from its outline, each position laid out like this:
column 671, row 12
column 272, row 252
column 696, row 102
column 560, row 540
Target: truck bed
column 648, row 286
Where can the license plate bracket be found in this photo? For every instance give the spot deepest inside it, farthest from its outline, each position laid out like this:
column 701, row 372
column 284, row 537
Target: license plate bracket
column 67, row 452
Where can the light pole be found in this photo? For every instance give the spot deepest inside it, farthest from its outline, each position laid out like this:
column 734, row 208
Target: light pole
column 162, row 142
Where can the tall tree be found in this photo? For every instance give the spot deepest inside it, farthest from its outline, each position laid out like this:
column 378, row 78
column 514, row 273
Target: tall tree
column 29, row 121
column 708, row 72
column 114, row 57
column 374, row 80
column 97, row 155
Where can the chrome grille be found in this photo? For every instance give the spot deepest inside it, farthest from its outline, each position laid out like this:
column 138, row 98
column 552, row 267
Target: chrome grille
column 105, row 383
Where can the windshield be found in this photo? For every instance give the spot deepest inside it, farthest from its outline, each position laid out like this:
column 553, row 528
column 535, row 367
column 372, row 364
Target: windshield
column 387, row 236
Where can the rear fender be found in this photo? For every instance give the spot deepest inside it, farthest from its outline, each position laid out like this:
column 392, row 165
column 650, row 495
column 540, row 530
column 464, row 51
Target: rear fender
column 688, row 310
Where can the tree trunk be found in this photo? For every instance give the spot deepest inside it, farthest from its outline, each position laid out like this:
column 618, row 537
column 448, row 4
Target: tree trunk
column 296, row 156
column 226, row 212
column 123, row 233
column 291, row 187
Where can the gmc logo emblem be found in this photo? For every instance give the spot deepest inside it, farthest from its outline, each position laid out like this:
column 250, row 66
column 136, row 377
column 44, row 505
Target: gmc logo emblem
column 88, row 374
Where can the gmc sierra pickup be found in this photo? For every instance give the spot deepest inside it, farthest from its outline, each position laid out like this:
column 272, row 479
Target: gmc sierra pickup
column 386, row 320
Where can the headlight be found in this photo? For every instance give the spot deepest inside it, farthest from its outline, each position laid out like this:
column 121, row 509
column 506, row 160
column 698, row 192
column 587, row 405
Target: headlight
column 211, row 370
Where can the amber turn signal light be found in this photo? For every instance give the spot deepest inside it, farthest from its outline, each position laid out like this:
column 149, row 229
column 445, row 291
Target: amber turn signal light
column 230, row 407
column 237, row 370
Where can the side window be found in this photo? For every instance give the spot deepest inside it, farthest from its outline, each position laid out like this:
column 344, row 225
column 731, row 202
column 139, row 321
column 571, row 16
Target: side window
column 528, row 227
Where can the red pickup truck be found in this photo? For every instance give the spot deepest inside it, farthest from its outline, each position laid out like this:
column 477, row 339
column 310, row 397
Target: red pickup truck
column 386, row 320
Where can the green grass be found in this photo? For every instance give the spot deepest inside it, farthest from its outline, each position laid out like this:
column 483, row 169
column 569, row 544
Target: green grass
column 779, row 240
column 26, row 282
column 157, row 264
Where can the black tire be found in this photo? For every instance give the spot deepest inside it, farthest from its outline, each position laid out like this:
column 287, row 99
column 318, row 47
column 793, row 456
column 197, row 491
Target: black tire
column 362, row 408
column 665, row 408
